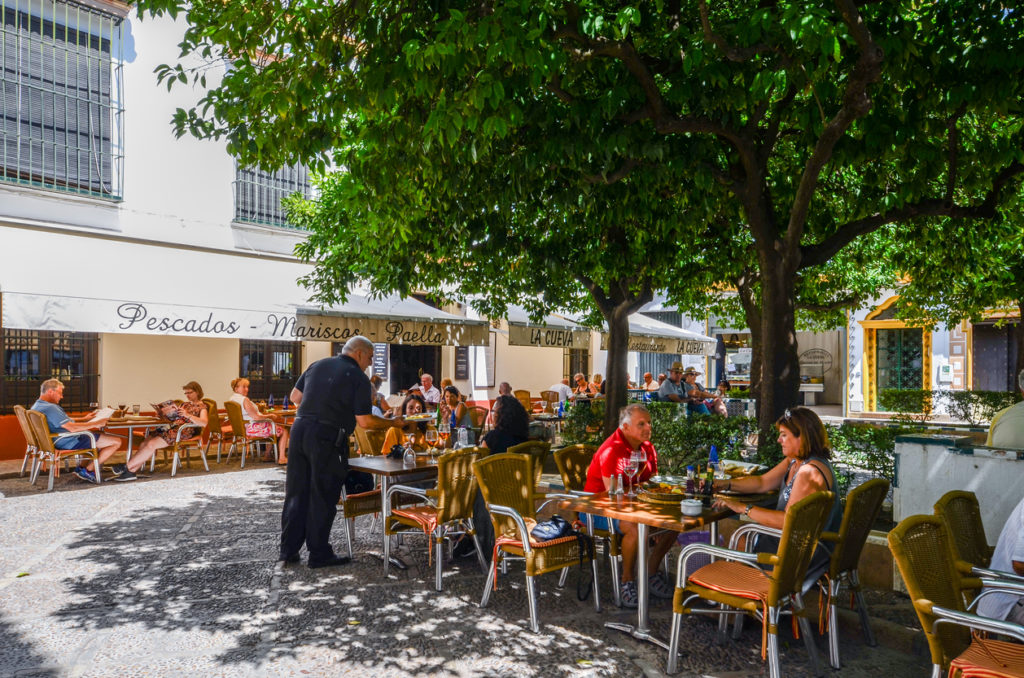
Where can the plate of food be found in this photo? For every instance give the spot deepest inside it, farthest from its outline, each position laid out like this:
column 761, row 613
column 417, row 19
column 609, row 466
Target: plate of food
column 419, row 417
column 732, row 468
column 662, row 493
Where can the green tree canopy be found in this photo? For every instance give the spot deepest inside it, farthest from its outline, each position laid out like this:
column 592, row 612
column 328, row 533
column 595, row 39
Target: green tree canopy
column 517, row 146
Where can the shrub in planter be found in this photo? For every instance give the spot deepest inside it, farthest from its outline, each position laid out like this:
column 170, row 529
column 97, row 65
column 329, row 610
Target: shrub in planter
column 977, row 407
column 907, row 404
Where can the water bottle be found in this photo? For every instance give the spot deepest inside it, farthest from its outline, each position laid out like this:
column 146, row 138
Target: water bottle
column 463, row 440
column 561, row 408
column 713, row 456
column 691, row 481
column 270, row 401
column 285, row 404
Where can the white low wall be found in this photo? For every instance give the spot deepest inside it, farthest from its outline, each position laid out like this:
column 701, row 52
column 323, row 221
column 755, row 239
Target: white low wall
column 930, row 466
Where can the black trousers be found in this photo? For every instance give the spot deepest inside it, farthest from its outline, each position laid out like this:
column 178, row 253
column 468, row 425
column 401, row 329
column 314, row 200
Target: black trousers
column 312, row 489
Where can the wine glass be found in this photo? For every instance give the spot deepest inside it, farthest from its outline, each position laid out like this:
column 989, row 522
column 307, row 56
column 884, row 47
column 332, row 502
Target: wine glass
column 431, row 436
column 543, row 406
column 443, row 431
column 630, row 468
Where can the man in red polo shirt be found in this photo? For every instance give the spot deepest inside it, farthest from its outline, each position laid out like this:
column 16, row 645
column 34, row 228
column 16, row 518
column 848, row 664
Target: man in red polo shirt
column 634, row 433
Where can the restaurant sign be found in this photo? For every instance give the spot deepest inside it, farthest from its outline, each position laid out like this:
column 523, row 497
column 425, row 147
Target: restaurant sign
column 672, row 345
column 74, row 314
column 551, row 337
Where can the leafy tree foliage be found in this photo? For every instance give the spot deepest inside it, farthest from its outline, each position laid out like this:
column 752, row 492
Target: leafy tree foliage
column 522, row 149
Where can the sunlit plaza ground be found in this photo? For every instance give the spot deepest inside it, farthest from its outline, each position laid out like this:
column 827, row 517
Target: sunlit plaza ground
column 167, row 577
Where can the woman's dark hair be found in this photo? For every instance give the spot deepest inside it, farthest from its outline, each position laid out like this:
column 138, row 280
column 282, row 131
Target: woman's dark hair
column 423, row 404
column 724, row 385
column 452, row 389
column 511, row 417
column 805, row 425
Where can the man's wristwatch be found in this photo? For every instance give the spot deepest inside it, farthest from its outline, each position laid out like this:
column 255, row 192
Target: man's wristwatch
column 747, row 512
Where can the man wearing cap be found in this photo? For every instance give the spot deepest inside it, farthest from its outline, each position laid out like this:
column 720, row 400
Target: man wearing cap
column 671, row 390
column 695, row 393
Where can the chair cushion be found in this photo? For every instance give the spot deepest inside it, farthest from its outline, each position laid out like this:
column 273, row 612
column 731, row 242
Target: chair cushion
column 424, row 516
column 989, row 658
column 736, row 579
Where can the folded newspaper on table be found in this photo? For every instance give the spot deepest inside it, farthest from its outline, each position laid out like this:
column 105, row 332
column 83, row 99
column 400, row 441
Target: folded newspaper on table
column 104, row 413
column 166, row 410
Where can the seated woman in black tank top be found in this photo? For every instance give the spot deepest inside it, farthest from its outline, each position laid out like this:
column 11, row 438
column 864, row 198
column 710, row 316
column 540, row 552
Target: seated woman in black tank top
column 804, row 470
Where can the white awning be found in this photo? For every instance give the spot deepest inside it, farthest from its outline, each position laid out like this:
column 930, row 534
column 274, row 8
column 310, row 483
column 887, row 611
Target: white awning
column 390, row 320
column 552, row 331
column 76, row 283
column 648, row 335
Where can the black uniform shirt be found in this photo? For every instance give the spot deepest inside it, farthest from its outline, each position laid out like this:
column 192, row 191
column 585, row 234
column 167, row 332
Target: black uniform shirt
column 334, row 392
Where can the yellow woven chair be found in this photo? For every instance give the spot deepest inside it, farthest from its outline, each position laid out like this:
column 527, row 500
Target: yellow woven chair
column 370, row 441
column 740, row 586
column 214, row 428
column 478, row 415
column 962, row 514
column 538, row 450
column 922, row 548
column 31, row 449
column 234, row 411
column 508, row 486
column 573, row 462
column 448, row 511
column 524, row 398
column 50, row 453
column 551, row 398
column 862, row 506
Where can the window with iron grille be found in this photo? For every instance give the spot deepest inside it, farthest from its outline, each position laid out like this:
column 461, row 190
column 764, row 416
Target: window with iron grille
column 272, row 367
column 61, row 92
column 30, row 357
column 575, row 360
column 258, row 193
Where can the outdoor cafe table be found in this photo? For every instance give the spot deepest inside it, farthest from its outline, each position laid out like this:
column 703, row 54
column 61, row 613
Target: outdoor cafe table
column 131, row 423
column 645, row 515
column 389, row 469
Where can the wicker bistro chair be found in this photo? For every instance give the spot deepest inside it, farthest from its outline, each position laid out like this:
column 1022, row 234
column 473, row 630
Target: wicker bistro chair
column 50, row 453
column 523, row 396
column 448, row 511
column 921, row 546
column 478, row 415
column 573, row 462
column 551, row 398
column 962, row 515
column 214, row 428
column 862, row 507
column 736, row 581
column 234, row 411
column 31, row 449
column 506, row 481
column 370, row 441
column 536, row 449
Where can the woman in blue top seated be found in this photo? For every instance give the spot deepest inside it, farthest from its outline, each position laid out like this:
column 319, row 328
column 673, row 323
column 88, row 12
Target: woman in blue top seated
column 453, row 410
column 804, row 470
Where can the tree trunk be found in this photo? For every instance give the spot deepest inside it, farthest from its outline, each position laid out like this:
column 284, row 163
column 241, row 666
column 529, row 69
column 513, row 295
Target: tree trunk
column 780, row 360
column 616, row 374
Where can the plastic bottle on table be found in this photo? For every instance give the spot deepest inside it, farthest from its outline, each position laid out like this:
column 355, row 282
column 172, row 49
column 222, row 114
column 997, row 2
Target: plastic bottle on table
column 270, row 401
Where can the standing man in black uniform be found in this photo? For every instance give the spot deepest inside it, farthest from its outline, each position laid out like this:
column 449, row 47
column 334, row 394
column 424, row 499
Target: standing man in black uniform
column 333, row 395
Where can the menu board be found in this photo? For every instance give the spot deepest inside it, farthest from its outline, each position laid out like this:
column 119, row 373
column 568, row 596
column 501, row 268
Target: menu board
column 462, row 362
column 380, row 360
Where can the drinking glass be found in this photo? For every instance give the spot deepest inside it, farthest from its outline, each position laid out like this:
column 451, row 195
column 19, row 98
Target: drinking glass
column 136, row 408
column 443, row 431
column 411, row 437
column 543, row 406
column 123, row 408
column 431, row 436
column 630, row 469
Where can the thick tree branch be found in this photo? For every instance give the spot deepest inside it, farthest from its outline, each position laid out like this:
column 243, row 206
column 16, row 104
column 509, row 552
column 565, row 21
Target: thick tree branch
column 555, row 87
column 856, row 104
column 619, row 174
column 814, row 255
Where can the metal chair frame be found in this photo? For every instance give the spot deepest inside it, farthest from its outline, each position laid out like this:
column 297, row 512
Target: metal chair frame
column 237, row 420
column 50, row 453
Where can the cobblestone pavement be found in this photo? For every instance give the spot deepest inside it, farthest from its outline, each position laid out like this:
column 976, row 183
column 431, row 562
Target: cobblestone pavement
column 169, row 577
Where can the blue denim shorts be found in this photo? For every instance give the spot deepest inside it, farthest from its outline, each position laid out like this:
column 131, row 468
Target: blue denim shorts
column 601, row 523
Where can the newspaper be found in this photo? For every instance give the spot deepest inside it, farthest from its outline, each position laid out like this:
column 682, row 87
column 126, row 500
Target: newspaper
column 103, row 413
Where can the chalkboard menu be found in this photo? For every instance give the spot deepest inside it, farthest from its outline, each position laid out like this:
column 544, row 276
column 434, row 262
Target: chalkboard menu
column 380, row 360
column 462, row 362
